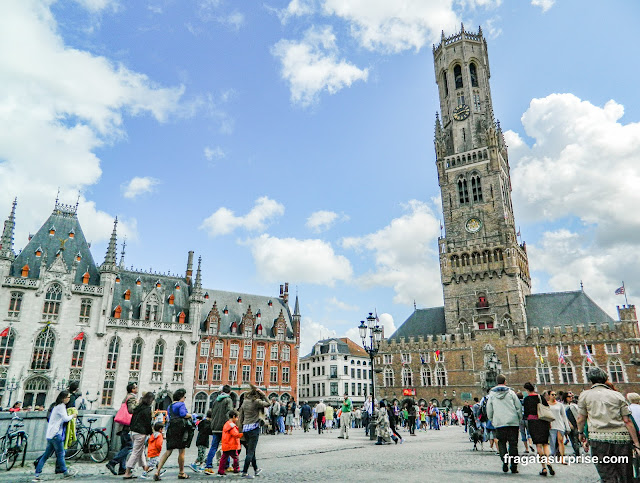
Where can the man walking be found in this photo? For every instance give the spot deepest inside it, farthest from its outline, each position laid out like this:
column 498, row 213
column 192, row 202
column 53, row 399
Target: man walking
column 345, row 417
column 505, row 411
column 305, row 413
column 274, row 414
column 320, row 409
column 219, row 416
column 367, row 414
column 467, row 412
column 120, row 459
column 611, row 430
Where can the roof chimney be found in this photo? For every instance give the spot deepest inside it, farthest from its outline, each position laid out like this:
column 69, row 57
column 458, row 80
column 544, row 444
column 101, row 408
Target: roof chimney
column 281, row 290
column 189, row 272
column 285, row 296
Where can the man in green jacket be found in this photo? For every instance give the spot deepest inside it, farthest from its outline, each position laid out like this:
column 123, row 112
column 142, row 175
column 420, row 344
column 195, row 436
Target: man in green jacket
column 505, row 411
column 345, row 417
column 219, row 416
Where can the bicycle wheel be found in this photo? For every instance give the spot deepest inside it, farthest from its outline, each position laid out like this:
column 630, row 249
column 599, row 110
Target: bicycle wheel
column 14, row 449
column 76, row 448
column 98, row 446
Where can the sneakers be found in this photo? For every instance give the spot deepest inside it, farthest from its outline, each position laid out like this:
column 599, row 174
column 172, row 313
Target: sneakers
column 149, row 474
column 70, row 473
column 195, row 468
column 246, row 475
column 210, row 471
column 37, row 478
column 112, row 468
column 258, row 471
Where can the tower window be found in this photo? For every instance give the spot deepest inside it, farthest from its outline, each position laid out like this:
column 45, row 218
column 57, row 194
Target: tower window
column 460, row 96
column 473, row 74
column 444, row 83
column 476, row 101
column 457, row 75
column 476, row 188
column 463, row 191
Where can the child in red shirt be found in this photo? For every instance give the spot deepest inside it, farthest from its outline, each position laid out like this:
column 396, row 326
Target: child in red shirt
column 230, row 443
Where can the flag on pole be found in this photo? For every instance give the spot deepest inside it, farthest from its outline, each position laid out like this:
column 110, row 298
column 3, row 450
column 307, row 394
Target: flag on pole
column 5, row 332
column 620, row 291
column 588, row 354
column 422, row 361
column 539, row 355
column 80, row 336
column 561, row 359
column 518, row 234
column 437, row 355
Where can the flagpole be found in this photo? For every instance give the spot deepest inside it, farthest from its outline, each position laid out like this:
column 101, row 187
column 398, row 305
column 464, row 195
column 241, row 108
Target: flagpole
column 625, row 294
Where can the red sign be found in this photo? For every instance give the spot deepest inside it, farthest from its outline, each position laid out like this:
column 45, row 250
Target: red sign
column 408, row 392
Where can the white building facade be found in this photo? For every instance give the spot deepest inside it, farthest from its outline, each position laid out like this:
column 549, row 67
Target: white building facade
column 335, row 367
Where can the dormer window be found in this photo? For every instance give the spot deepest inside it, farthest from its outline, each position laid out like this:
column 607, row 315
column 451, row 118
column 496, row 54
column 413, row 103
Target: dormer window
column 239, row 300
column 206, row 295
column 85, row 278
column 158, row 284
column 171, row 299
column 127, row 294
column 117, row 312
column 117, row 278
column 334, row 348
column 225, row 311
column 234, row 328
column 25, row 271
column 258, row 314
column 72, row 234
column 138, row 281
column 259, row 329
column 78, row 257
column 52, row 230
column 182, row 317
column 39, row 252
column 482, row 302
column 270, row 303
column 177, row 286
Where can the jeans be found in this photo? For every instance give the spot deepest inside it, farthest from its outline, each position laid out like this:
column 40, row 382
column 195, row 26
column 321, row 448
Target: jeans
column 281, row 424
column 121, row 456
column 54, row 445
column 215, row 442
column 251, row 442
column 554, row 434
column 508, row 434
column 466, row 423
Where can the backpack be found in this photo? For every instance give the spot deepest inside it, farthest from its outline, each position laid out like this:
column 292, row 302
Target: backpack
column 482, row 417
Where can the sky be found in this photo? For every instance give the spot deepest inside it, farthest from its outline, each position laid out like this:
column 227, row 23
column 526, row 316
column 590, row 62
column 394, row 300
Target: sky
column 292, row 141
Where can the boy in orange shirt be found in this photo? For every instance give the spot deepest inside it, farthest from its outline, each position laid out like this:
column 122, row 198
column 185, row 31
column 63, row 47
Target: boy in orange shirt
column 154, row 449
column 230, row 443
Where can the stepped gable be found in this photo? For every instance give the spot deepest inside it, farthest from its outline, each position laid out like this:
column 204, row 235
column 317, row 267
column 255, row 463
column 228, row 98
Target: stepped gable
column 268, row 314
column 422, row 322
column 564, row 308
column 148, row 281
column 68, row 241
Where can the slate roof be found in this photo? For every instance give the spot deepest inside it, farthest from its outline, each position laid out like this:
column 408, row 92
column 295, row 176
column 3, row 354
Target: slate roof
column 422, row 322
column 344, row 345
column 258, row 303
column 564, row 308
column 65, row 221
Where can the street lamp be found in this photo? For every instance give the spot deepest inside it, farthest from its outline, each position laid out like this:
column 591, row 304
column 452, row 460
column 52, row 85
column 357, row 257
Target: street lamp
column 493, row 368
column 11, row 386
column 371, row 335
column 91, row 401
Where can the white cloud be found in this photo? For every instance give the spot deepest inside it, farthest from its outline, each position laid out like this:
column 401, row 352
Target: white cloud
column 311, row 332
column 296, row 8
column 98, row 5
column 400, row 251
column 311, row 66
column 214, row 153
column 305, row 261
column 543, row 4
column 138, row 186
column 386, row 320
column 67, row 99
column 209, row 10
column 224, row 221
column 340, row 305
column 323, row 220
column 394, row 26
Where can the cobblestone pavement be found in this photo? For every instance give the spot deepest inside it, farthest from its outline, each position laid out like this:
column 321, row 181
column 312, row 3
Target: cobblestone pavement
column 444, row 455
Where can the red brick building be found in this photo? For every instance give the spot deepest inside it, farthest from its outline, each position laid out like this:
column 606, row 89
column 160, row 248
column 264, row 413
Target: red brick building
column 247, row 339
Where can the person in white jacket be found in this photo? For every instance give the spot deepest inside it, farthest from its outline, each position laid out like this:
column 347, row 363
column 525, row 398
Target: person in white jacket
column 55, row 436
column 505, row 411
column 559, row 426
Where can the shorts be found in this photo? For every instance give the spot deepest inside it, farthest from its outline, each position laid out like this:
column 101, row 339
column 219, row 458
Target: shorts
column 153, row 462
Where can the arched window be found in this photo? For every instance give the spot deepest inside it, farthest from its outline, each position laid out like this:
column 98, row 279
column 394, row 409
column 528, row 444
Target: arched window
column 388, row 377
column 178, row 362
column 463, row 191
column 426, row 376
column 15, row 304
column 77, row 354
column 151, row 309
column 543, row 373
column 444, row 83
column 35, row 392
column 113, row 353
column 616, row 371
column 476, row 188
column 441, row 376
column 43, row 350
column 507, row 323
column 158, row 356
column 6, row 347
column 567, row 373
column 407, row 377
column 473, row 73
column 52, row 300
column 136, row 354
column 586, row 365
column 463, row 326
column 200, row 403
column 457, row 75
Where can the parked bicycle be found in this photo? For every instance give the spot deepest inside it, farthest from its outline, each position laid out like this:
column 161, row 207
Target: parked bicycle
column 13, row 443
column 91, row 441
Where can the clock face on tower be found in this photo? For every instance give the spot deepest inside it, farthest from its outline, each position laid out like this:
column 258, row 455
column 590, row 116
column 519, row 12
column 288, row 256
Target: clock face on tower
column 461, row 112
column 473, row 225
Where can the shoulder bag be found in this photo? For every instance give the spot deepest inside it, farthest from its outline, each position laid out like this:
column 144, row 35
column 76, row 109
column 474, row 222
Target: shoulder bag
column 544, row 412
column 123, row 416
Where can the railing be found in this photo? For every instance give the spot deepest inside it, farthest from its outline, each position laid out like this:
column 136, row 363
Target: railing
column 468, row 157
column 147, row 324
column 88, row 289
column 20, row 282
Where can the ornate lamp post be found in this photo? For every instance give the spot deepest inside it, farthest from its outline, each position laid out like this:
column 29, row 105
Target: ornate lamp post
column 371, row 335
column 91, row 401
column 11, row 386
column 493, row 368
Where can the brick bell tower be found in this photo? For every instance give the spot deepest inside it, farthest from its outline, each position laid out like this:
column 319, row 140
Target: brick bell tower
column 484, row 269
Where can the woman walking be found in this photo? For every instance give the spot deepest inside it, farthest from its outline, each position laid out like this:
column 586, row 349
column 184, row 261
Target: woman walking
column 55, row 437
column 559, row 426
column 382, row 425
column 176, row 434
column 289, row 421
column 140, row 428
column 249, row 422
column 538, row 428
column 392, row 424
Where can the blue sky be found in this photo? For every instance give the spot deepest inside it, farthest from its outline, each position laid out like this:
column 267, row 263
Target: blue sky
column 293, row 140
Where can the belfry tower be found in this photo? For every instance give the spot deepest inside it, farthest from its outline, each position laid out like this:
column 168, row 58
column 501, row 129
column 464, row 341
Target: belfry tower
column 484, row 269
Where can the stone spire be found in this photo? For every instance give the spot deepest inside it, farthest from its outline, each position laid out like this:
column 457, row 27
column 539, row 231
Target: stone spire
column 109, row 263
column 124, row 244
column 6, row 242
column 198, row 283
column 296, row 309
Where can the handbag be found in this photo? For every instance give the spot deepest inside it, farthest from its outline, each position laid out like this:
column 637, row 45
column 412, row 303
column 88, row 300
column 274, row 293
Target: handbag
column 123, row 416
column 544, row 412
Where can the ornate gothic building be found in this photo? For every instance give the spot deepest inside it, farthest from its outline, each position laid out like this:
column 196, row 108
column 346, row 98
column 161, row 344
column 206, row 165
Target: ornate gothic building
column 65, row 318
column 491, row 322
